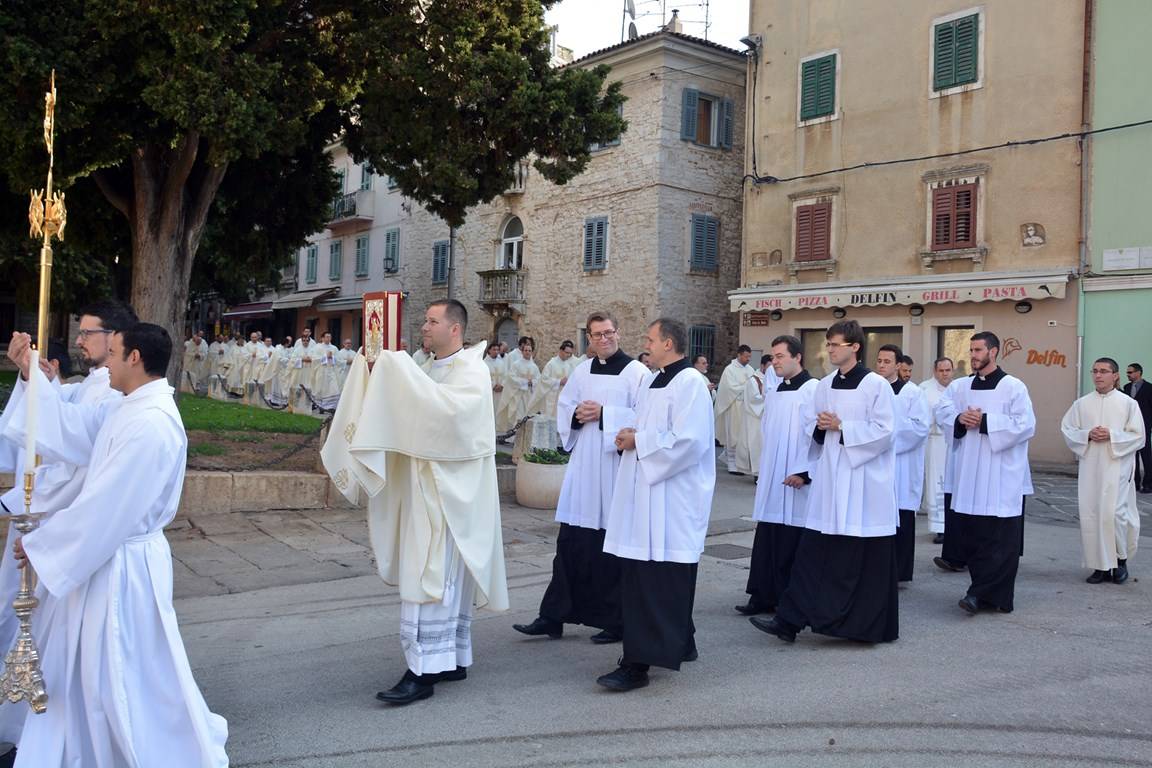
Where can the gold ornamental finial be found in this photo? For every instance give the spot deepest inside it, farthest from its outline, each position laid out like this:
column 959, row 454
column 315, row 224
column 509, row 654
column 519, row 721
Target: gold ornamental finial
column 47, row 215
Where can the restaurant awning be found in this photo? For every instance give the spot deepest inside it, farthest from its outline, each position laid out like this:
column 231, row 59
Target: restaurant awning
column 302, row 299
column 921, row 289
column 255, row 309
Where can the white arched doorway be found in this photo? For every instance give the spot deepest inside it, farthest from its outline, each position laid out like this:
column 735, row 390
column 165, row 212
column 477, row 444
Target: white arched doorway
column 512, row 245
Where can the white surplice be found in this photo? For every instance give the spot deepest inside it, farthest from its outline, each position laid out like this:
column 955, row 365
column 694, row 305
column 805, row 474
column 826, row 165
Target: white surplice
column 1109, row 518
column 730, row 424
column 913, row 420
column 990, row 471
column 935, row 457
column 590, row 477
column 121, row 691
column 787, row 450
column 326, row 377
column 753, row 408
column 663, row 495
column 853, row 475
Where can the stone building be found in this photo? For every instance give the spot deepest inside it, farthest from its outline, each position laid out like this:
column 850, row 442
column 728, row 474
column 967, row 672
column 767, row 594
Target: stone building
column 945, row 231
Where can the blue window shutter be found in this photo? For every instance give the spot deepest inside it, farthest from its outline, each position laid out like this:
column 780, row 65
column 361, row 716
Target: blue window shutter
column 589, row 242
column 310, row 264
column 392, row 250
column 362, row 256
column 440, row 262
column 711, row 242
column 595, row 243
column 601, row 243
column 698, row 233
column 691, row 100
column 335, row 259
column 727, row 124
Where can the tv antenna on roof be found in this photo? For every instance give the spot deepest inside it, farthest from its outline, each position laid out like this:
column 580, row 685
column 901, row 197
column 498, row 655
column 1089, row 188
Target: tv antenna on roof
column 628, row 21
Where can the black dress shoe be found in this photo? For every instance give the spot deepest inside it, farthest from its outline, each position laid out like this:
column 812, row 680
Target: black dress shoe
column 733, row 472
column 774, row 626
column 969, row 604
column 541, row 626
column 604, row 637
column 1120, row 574
column 753, row 608
column 449, row 676
column 626, row 677
column 946, row 565
column 412, row 687
column 1098, row 577
column 938, row 538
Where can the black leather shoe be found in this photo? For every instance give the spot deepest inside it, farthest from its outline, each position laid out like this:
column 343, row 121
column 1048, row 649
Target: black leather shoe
column 627, row 677
column 1120, row 574
column 605, row 637
column 773, row 627
column 945, row 565
column 449, row 676
column 751, row 608
column 412, row 687
column 541, row 626
column 969, row 604
column 938, row 538
column 1098, row 577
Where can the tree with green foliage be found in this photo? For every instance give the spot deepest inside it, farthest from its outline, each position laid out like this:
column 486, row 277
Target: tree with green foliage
column 162, row 105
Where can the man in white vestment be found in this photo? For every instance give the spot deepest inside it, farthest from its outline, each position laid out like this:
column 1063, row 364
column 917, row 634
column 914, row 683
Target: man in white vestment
column 326, row 376
column 912, row 421
column 660, row 510
column 521, row 378
column 238, row 354
column 301, row 365
column 344, row 358
column 730, row 423
column 195, row 353
column 761, row 380
column 419, row 444
column 782, row 491
column 552, row 380
column 992, row 420
column 120, row 689
column 935, row 450
column 843, row 580
column 597, row 401
column 496, row 366
column 249, row 369
column 220, row 361
column 57, row 483
column 1105, row 429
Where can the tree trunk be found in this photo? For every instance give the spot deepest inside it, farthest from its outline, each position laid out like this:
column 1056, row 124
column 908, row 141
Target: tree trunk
column 166, row 194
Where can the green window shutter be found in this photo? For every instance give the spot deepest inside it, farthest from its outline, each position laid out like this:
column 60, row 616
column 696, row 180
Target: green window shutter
column 944, row 69
column 440, row 262
column 711, row 243
column 335, row 260
column 595, row 243
column 690, row 102
column 392, row 251
column 310, row 264
column 362, row 256
column 967, row 40
column 727, row 123
column 699, row 233
column 818, row 87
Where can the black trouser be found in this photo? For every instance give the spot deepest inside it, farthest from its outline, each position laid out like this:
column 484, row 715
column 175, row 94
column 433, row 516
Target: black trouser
column 1143, row 461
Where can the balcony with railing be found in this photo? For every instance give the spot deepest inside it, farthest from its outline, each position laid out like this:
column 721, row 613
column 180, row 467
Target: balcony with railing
column 351, row 210
column 502, row 286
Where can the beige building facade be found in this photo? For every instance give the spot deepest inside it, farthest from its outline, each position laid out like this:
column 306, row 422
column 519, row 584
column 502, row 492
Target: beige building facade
column 884, row 192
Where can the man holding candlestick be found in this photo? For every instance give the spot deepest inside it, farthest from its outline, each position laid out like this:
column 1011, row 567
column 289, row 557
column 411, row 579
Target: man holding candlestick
column 115, row 669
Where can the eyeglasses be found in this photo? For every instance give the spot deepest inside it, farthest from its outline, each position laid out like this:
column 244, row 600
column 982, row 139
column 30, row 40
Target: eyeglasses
column 84, row 333
column 602, row 335
column 833, row 344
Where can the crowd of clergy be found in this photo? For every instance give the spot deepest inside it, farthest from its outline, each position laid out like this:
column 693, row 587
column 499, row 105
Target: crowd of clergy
column 302, row 376
column 842, row 464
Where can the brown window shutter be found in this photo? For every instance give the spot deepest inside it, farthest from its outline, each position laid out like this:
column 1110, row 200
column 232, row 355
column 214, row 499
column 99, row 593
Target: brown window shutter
column 964, row 216
column 942, row 215
column 803, row 233
column 821, row 231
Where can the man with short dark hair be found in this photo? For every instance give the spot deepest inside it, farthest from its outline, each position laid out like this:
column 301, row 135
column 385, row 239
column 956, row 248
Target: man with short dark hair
column 843, row 581
column 991, row 417
column 1105, row 430
column 107, row 625
column 1140, row 391
column 660, row 510
column 904, row 368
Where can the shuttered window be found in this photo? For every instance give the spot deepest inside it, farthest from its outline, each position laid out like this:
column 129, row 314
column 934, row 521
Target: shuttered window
column 335, row 259
column 818, row 87
column 440, row 262
column 956, row 54
column 310, row 258
column 392, row 250
column 595, row 243
column 702, row 341
column 707, row 120
column 366, row 176
column 954, row 217
column 362, row 256
column 705, row 243
column 813, row 232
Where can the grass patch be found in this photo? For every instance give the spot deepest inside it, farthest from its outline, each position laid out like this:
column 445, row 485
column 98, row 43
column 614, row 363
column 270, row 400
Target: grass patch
column 8, row 378
column 215, row 416
column 244, row 437
column 206, row 449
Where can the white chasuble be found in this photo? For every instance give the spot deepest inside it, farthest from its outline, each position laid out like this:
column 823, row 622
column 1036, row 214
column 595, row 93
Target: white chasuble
column 1109, row 518
column 730, row 424
column 913, row 419
column 990, row 473
column 496, row 367
column 788, row 450
column 423, row 450
column 935, row 457
column 853, row 475
column 590, row 477
column 755, row 389
column 120, row 687
column 663, row 495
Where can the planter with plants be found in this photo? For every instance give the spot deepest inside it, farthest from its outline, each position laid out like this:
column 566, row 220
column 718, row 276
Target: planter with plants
column 539, row 476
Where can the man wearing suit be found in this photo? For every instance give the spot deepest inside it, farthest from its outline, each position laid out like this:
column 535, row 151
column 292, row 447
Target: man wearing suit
column 1141, row 391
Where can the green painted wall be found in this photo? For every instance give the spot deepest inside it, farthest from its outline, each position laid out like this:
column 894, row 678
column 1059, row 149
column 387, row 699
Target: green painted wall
column 1119, row 323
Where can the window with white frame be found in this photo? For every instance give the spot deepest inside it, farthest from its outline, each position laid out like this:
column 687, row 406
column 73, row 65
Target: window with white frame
column 512, row 245
column 956, row 52
column 707, row 120
column 818, row 98
column 595, row 243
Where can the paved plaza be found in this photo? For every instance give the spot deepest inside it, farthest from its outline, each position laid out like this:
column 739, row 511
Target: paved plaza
column 291, row 634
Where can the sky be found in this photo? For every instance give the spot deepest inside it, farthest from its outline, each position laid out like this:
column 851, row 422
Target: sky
column 589, row 25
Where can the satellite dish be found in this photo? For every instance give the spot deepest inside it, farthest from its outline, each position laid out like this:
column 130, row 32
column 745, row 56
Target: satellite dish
column 630, row 8
column 632, row 33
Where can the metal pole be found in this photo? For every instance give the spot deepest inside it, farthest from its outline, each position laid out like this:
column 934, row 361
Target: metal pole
column 452, row 262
